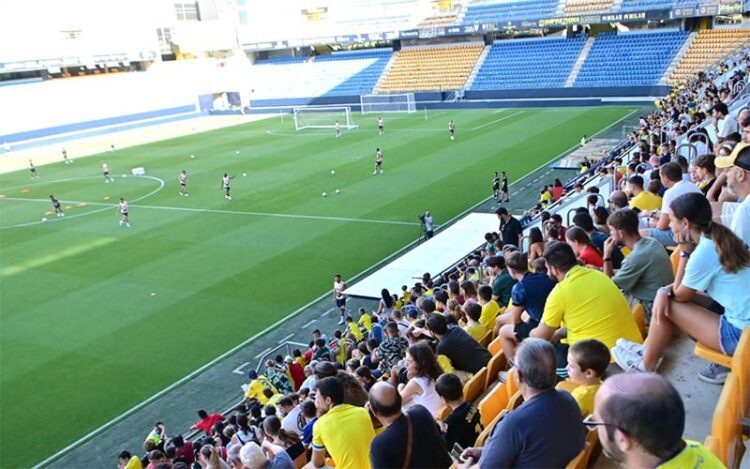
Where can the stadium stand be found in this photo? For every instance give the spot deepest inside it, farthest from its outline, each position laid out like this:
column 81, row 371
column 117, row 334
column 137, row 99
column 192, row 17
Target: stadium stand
column 337, row 74
column 431, row 68
column 643, row 5
column 629, row 59
column 511, row 10
column 438, row 20
column 579, row 7
column 707, row 49
column 524, row 63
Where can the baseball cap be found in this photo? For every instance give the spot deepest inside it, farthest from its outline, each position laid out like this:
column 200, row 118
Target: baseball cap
column 739, row 157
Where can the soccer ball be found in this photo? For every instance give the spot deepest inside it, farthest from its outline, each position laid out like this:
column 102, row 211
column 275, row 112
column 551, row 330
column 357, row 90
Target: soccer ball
column 337, row 191
column 44, row 219
column 124, row 176
column 237, row 152
column 244, row 174
column 333, row 171
column 325, row 194
column 192, row 156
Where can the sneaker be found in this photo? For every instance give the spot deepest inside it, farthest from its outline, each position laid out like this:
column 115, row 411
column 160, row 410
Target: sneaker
column 631, row 362
column 714, row 374
column 341, row 321
column 633, row 347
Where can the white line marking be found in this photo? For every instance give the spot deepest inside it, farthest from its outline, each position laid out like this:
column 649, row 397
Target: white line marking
column 262, row 353
column 205, row 210
column 328, row 312
column 497, row 120
column 240, row 369
column 293, row 314
column 284, row 339
column 309, row 323
column 106, row 206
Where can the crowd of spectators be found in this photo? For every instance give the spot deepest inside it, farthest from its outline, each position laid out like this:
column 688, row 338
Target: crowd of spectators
column 386, row 389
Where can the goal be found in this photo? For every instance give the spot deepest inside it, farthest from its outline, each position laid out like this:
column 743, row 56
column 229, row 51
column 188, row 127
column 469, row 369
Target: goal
column 311, row 117
column 377, row 103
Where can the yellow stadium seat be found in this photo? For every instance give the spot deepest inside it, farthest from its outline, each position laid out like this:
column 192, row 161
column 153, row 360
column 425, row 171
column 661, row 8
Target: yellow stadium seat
column 739, row 363
column 495, row 346
column 443, row 413
column 488, row 429
column 515, row 401
column 497, row 363
column 493, row 403
column 726, row 426
column 475, row 385
column 639, row 314
column 582, row 459
column 486, row 339
column 512, row 382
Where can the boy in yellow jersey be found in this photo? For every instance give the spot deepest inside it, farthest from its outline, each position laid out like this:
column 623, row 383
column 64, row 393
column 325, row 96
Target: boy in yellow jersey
column 587, row 362
column 365, row 320
column 640, row 419
column 353, row 329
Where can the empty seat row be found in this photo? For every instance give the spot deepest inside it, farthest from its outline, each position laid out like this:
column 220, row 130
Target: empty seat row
column 429, row 69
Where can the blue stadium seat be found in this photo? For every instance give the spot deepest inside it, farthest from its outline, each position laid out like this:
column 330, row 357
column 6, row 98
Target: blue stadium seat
column 512, row 10
column 630, row 59
column 525, row 63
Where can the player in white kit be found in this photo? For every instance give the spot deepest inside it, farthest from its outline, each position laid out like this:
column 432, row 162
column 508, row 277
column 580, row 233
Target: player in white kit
column 381, row 126
column 122, row 206
column 338, row 129
column 183, row 179
column 378, row 162
column 452, row 129
column 226, row 183
column 105, row 172
column 338, row 296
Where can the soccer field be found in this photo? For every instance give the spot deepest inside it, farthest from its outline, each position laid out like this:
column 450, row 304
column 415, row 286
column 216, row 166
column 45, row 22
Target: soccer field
column 96, row 317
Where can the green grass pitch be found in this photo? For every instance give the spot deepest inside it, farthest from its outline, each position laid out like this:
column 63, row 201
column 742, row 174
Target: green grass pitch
column 96, row 317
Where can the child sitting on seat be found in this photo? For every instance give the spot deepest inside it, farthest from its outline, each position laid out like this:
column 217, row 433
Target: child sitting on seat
column 587, row 362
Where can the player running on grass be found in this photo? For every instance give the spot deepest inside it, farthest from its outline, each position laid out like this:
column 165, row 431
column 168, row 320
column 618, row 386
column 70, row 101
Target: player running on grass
column 378, row 162
column 338, row 129
column 32, row 168
column 183, row 178
column 105, row 172
column 57, row 206
column 122, row 206
column 226, row 183
column 452, row 129
column 65, row 156
column 381, row 126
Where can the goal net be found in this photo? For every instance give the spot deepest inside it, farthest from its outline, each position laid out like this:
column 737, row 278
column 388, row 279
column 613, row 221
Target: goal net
column 377, row 103
column 311, row 117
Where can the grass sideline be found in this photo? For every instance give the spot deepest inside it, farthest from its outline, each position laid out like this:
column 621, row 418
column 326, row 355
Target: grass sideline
column 83, row 338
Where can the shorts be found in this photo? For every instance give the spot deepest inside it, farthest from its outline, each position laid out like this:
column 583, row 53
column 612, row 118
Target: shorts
column 523, row 329
column 340, row 302
column 106, row 173
column 380, row 127
column 124, row 214
column 729, row 336
column 665, row 237
column 182, row 184
column 561, row 354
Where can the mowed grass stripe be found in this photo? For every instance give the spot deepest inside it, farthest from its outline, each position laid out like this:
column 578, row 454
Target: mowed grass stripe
column 83, row 331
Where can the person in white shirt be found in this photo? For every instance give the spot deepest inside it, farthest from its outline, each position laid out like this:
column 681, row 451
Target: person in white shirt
column 337, row 126
column 737, row 168
column 338, row 296
column 671, row 178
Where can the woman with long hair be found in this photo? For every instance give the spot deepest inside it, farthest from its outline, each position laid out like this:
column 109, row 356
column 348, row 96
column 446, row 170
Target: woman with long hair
column 208, row 458
column 713, row 260
column 291, row 442
column 469, row 291
column 557, row 190
column 536, row 244
column 585, row 250
column 422, row 370
column 385, row 306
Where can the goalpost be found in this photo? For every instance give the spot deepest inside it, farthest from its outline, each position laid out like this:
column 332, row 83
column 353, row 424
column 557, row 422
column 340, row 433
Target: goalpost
column 321, row 117
column 377, row 103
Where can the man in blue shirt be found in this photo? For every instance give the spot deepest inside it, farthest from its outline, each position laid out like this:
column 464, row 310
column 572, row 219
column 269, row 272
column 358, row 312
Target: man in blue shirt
column 546, row 430
column 528, row 297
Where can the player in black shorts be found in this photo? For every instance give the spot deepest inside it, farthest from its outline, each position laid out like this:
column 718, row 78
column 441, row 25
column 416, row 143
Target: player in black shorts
column 496, row 186
column 32, row 168
column 57, row 206
column 504, row 196
column 452, row 129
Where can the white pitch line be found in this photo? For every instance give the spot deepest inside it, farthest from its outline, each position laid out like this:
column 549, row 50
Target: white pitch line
column 230, row 212
column 309, row 323
column 497, row 120
column 328, row 312
column 240, row 369
column 262, row 353
column 284, row 339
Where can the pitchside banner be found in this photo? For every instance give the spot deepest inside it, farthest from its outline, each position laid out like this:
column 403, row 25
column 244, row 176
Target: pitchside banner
column 723, row 8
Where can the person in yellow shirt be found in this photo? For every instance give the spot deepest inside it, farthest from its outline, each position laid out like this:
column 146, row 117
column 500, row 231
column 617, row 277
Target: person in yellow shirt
column 490, row 307
column 546, row 196
column 256, row 387
column 353, row 329
column 587, row 362
column 584, row 304
column 128, row 461
column 473, row 314
column 642, row 200
column 344, row 431
column 365, row 320
column 341, row 353
column 640, row 420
